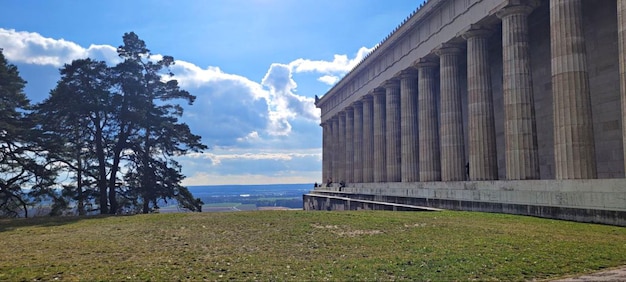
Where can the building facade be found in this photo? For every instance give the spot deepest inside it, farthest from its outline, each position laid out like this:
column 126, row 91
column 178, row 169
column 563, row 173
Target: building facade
column 485, row 92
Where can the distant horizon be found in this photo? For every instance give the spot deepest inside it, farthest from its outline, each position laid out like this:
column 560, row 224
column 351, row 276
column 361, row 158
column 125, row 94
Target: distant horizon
column 216, row 185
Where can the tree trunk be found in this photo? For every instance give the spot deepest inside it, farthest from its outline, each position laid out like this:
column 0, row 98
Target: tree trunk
column 147, row 174
column 79, row 183
column 102, row 174
column 113, row 180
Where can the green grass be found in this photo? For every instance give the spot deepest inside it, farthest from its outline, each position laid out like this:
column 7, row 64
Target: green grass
column 229, row 206
column 299, row 245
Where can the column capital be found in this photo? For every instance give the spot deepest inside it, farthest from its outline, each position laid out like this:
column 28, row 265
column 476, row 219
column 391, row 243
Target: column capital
column 368, row 97
column 449, row 48
column 391, row 83
column 349, row 109
column 426, row 63
column 477, row 31
column 410, row 72
column 524, row 7
column 379, row 91
column 356, row 104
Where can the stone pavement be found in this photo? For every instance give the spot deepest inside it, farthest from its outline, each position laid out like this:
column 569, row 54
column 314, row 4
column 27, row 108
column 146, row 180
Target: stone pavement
column 617, row 274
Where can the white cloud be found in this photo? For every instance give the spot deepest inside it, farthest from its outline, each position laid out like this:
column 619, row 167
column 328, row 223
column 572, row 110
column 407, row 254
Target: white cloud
column 329, row 79
column 284, row 103
column 105, row 53
column 291, row 177
column 32, row 48
column 219, row 155
column 340, row 64
column 251, row 137
column 190, row 75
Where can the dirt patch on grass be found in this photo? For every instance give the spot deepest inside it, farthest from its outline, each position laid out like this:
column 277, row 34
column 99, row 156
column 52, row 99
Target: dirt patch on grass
column 344, row 230
column 354, row 233
column 415, row 225
column 319, row 226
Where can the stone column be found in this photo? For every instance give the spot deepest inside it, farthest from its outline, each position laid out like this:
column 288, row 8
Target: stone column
column 429, row 162
column 326, row 151
column 349, row 169
column 574, row 150
column 380, row 161
column 335, row 145
column 393, row 145
column 483, row 161
column 519, row 109
column 409, row 125
column 341, row 152
column 358, row 142
column 451, row 136
column 621, row 34
column 368, row 139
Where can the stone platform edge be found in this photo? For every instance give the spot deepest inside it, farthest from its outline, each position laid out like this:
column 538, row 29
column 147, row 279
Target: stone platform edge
column 337, row 202
column 595, row 200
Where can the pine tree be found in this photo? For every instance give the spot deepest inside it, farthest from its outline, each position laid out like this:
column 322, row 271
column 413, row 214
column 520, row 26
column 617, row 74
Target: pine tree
column 24, row 176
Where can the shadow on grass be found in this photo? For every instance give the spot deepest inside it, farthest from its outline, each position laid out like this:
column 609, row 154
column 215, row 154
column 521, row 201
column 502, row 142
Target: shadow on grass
column 9, row 224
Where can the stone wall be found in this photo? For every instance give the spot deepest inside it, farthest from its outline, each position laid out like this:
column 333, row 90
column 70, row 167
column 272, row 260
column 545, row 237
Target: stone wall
column 336, row 202
column 599, row 200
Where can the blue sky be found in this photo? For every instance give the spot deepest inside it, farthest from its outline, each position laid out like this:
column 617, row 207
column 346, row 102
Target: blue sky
column 254, row 65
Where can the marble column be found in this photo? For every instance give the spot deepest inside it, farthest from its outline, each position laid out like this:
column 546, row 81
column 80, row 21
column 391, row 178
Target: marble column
column 349, row 169
column 574, row 150
column 451, row 136
column 393, row 145
column 621, row 34
column 429, row 162
column 341, row 152
column 409, row 126
column 357, row 162
column 483, row 161
column 380, row 161
column 519, row 110
column 335, row 146
column 368, row 139
column 326, row 151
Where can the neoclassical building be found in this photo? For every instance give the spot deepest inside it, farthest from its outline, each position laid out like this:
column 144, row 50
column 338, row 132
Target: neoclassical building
column 503, row 102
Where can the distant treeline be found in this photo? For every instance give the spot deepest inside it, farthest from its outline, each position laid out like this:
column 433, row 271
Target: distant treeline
column 259, row 201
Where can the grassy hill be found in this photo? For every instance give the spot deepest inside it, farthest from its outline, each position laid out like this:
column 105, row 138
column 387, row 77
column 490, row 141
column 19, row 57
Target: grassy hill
column 299, row 245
